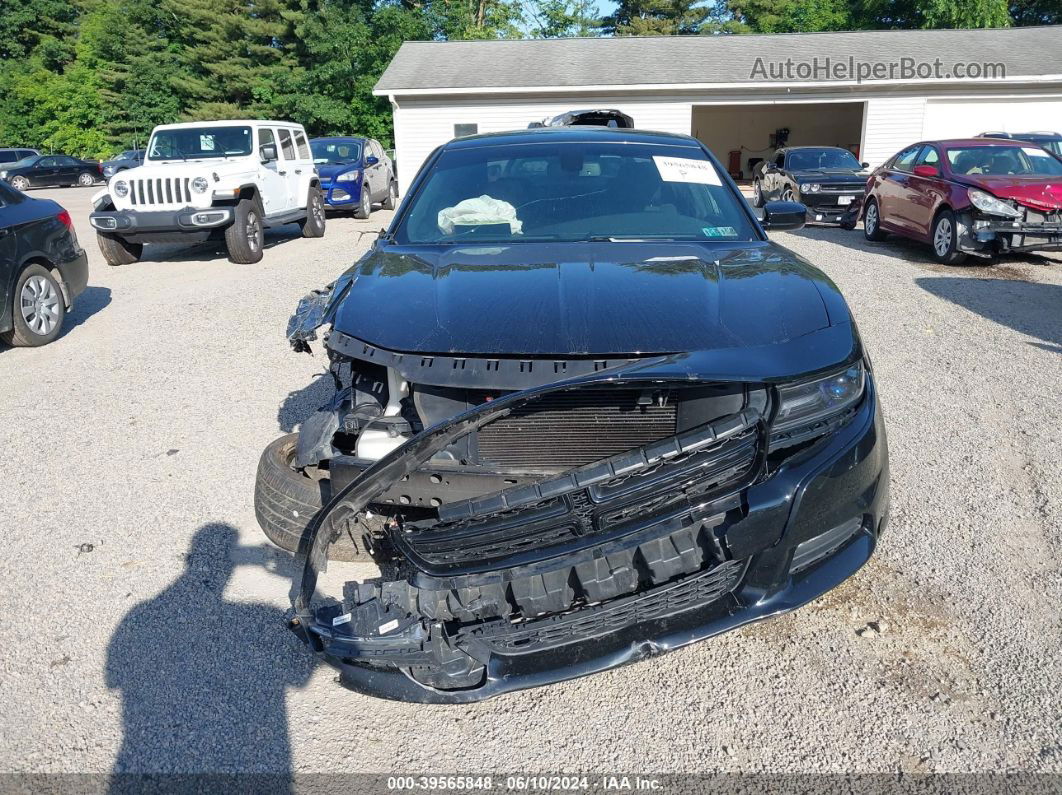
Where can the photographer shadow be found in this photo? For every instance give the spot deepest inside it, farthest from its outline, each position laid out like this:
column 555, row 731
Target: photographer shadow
column 203, row 679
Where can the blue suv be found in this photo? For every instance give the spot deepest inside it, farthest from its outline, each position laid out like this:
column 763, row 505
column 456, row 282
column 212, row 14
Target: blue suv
column 355, row 173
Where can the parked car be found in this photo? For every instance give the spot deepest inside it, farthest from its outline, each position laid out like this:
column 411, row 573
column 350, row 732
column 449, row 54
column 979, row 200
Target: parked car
column 42, row 268
column 605, row 417
column 39, row 171
column 14, row 155
column 826, row 179
column 131, row 158
column 355, row 172
column 1051, row 141
column 979, row 196
column 224, row 180
column 600, row 117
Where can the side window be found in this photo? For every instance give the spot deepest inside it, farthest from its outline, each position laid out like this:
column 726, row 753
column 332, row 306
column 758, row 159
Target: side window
column 929, row 157
column 265, row 138
column 780, row 160
column 48, row 162
column 66, row 161
column 286, row 145
column 905, row 160
column 461, row 130
column 304, row 148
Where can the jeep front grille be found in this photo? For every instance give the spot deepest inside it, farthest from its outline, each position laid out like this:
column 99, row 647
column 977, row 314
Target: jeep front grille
column 160, row 192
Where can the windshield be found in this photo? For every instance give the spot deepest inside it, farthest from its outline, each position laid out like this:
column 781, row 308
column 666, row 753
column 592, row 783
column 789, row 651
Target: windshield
column 574, row 192
column 193, row 143
column 335, row 152
column 811, row 159
column 1014, row 160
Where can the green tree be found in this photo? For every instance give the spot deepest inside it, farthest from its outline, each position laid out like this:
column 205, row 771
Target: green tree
column 784, row 16
column 655, row 18
column 914, row 14
column 552, row 19
column 1036, row 12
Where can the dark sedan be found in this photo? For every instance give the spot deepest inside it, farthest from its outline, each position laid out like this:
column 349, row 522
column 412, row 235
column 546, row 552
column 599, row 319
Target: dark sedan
column 46, row 170
column 979, row 196
column 355, row 173
column 42, row 268
column 826, row 179
column 587, row 413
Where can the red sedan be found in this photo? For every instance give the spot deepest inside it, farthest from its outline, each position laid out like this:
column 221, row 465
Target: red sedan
column 980, row 196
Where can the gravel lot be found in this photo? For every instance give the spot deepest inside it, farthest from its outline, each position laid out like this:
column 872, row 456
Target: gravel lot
column 144, row 621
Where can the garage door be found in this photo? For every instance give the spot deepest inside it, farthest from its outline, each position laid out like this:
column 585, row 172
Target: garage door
column 964, row 118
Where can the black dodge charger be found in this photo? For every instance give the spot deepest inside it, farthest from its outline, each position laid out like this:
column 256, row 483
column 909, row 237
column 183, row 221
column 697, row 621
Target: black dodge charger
column 828, row 180
column 585, row 413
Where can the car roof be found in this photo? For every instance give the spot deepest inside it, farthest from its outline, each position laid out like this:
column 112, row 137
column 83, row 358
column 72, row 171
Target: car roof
column 576, row 134
column 358, row 138
column 808, row 146
column 950, row 142
column 227, row 123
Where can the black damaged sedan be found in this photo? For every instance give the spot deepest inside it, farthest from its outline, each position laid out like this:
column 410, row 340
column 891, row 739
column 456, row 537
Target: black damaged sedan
column 586, row 413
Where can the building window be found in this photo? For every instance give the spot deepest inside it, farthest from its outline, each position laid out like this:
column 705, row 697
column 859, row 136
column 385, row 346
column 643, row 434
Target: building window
column 461, row 130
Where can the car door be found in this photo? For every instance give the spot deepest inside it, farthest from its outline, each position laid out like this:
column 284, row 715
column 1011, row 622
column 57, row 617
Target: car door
column 288, row 168
column 43, row 172
column 376, row 173
column 303, row 166
column 67, row 170
column 891, row 191
column 773, row 179
column 923, row 194
column 8, row 250
column 273, row 185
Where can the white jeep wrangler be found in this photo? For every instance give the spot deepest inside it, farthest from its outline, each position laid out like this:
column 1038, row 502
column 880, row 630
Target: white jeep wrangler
column 215, row 179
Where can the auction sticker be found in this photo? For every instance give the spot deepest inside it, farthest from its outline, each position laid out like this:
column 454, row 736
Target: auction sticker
column 683, row 169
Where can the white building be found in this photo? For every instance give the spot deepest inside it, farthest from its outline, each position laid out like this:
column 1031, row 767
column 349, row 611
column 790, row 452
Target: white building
column 721, row 88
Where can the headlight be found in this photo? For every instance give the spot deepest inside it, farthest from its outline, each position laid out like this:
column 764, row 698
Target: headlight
column 3, row 174
column 200, row 185
column 809, row 187
column 121, row 188
column 814, row 401
column 349, row 176
column 987, row 203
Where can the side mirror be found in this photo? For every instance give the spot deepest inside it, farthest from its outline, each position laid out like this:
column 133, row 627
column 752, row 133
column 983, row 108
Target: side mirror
column 268, row 152
column 864, row 165
column 371, row 160
column 926, row 171
column 781, row 216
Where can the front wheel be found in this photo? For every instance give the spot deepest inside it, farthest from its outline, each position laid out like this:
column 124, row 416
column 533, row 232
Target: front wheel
column 946, row 239
column 38, row 310
column 392, row 196
column 20, row 183
column 757, row 194
column 117, row 251
column 245, row 238
column 872, row 222
column 86, row 180
column 313, row 225
column 364, row 204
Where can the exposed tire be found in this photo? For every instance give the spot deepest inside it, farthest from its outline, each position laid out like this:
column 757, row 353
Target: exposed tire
column 20, row 183
column 757, row 194
column 392, row 196
column 313, row 225
column 364, row 208
column 286, row 501
column 245, row 236
column 945, row 239
column 788, row 195
column 85, row 179
column 37, row 309
column 872, row 222
column 118, row 251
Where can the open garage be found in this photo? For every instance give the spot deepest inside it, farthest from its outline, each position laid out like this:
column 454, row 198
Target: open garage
column 742, row 135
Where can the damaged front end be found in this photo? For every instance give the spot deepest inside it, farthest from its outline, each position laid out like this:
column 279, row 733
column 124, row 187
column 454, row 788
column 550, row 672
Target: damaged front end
column 548, row 527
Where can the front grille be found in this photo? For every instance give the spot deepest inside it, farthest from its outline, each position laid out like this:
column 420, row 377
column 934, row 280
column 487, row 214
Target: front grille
column 574, row 428
column 590, row 621
column 160, row 191
column 844, row 187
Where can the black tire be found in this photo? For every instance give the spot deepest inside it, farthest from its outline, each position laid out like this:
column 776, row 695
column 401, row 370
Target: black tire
column 872, row 222
column 245, row 236
column 49, row 309
column 286, row 501
column 117, row 251
column 757, row 194
column 86, row 179
column 313, row 225
column 364, row 208
column 944, row 238
column 392, row 196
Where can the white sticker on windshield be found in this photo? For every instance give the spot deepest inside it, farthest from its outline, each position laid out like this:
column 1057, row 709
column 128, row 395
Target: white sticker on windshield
column 1033, row 152
column 682, row 169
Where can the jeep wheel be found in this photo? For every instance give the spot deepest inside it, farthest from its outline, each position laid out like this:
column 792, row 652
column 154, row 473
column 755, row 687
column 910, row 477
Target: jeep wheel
column 313, row 225
column 38, row 310
column 364, row 204
column 85, row 179
column 117, row 251
column 392, row 196
column 286, row 501
column 245, row 237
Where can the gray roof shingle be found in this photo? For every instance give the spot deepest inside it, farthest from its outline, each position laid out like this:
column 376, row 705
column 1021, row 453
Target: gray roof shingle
column 630, row 61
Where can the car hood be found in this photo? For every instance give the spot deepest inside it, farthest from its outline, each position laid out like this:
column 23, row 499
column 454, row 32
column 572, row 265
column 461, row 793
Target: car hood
column 329, row 171
column 206, row 167
column 830, row 174
column 1044, row 193
column 581, row 299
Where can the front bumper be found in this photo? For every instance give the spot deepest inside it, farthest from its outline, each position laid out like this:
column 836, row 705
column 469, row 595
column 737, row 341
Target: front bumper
column 1016, row 236
column 824, row 207
column 341, row 194
column 759, row 539
column 188, row 219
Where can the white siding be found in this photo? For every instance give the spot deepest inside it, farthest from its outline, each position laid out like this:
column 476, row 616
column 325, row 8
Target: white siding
column 421, row 125
column 890, row 124
column 963, row 118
